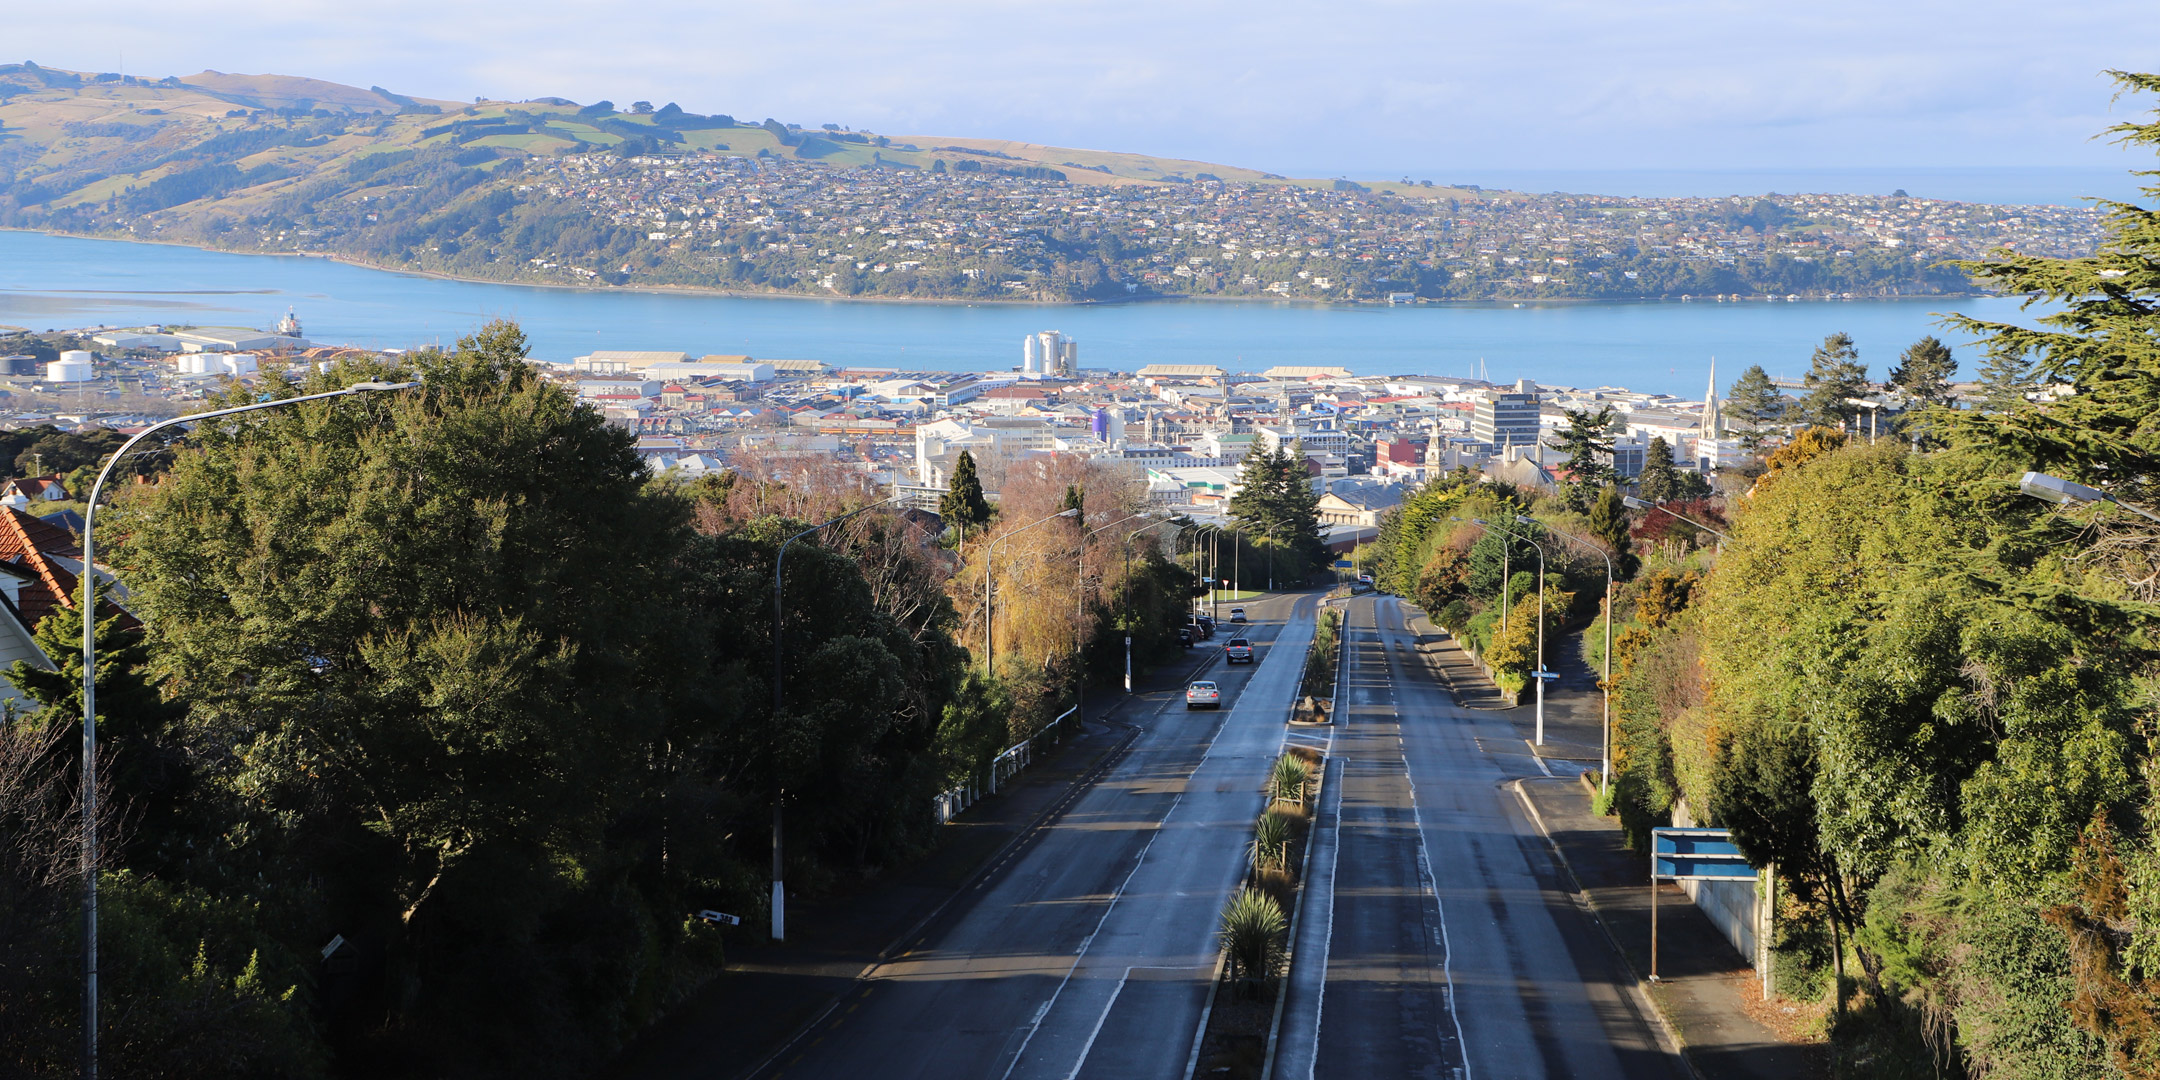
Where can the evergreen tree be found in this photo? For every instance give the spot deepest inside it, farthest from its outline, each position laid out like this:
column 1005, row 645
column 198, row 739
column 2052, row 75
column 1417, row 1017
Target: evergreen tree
column 1588, row 444
column 1609, row 522
column 1924, row 372
column 963, row 506
column 2005, row 379
column 1755, row 401
column 1659, row 480
column 1276, row 498
column 1835, row 374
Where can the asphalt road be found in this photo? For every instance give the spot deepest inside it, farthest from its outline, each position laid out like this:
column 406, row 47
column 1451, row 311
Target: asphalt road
column 1090, row 951
column 1438, row 938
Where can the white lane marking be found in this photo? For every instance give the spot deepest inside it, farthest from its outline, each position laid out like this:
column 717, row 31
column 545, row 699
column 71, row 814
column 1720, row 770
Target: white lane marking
column 1432, row 885
column 1327, row 937
column 1140, row 860
column 1089, row 1046
column 1534, row 756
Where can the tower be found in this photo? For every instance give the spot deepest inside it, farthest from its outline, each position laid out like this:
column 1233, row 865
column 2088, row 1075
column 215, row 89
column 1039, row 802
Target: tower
column 1713, row 424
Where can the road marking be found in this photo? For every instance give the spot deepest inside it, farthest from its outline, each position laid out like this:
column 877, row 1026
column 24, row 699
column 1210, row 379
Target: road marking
column 1542, row 767
column 1432, row 885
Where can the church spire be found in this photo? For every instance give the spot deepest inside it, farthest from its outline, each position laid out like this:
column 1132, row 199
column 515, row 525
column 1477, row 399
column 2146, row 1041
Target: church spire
column 1713, row 424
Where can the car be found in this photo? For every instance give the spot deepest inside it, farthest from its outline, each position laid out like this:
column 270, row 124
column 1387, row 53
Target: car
column 1185, row 636
column 1238, row 651
column 1207, row 625
column 1203, row 695
column 1237, row 614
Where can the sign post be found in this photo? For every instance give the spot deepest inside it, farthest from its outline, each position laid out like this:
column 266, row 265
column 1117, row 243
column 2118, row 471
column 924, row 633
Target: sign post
column 1690, row 854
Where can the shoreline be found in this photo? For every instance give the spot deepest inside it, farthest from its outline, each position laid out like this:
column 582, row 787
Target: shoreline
column 736, row 294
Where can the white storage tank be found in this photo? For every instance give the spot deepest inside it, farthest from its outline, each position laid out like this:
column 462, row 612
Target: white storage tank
column 73, row 366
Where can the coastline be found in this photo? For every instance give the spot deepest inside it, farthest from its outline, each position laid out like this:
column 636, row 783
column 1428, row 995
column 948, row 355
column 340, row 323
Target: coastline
column 1158, row 298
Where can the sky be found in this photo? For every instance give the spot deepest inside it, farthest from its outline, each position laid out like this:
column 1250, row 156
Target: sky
column 1374, row 89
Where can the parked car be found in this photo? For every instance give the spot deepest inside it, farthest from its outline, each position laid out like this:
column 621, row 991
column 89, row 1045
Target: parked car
column 1237, row 614
column 1185, row 636
column 1203, row 695
column 1238, row 651
column 1207, row 625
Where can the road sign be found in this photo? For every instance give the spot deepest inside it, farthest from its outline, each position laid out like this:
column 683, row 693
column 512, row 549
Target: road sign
column 1344, row 564
column 718, row 918
column 1697, row 855
column 1544, row 674
column 1691, row 854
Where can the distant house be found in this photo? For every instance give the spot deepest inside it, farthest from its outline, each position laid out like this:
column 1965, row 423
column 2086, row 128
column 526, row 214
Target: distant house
column 40, row 567
column 33, row 489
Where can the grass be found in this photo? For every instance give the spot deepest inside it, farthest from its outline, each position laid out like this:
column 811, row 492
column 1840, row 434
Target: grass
column 1234, row 594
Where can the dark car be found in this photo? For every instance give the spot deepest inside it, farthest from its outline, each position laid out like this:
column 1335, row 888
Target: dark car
column 1185, row 636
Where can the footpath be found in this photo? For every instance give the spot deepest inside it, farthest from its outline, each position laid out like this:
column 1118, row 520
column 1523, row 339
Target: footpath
column 772, row 990
column 1709, row 997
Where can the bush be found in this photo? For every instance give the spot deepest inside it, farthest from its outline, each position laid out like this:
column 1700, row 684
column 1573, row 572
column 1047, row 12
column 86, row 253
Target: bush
column 1270, row 847
column 1454, row 615
column 1290, row 779
column 1253, row 929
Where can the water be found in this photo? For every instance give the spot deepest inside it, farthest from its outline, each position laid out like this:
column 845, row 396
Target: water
column 50, row 282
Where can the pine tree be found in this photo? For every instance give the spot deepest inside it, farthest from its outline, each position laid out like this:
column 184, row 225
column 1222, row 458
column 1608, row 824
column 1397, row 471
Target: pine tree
column 1924, row 372
column 1588, row 444
column 1755, row 401
column 2004, row 381
column 1609, row 522
column 1835, row 375
column 1659, row 480
column 963, row 506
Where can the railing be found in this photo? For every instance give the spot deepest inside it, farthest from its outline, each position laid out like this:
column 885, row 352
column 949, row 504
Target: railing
column 952, row 804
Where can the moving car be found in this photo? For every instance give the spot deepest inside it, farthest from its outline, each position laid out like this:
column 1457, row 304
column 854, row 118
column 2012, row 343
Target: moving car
column 1237, row 614
column 1203, row 695
column 1238, row 651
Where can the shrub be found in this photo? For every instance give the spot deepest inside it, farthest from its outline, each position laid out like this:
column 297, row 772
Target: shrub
column 1270, row 847
column 1253, row 928
column 1289, row 780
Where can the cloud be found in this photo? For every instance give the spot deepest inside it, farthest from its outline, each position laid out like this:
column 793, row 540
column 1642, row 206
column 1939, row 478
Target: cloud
column 1360, row 86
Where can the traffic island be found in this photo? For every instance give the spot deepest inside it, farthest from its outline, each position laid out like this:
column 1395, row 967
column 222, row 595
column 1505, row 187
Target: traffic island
column 1259, row 923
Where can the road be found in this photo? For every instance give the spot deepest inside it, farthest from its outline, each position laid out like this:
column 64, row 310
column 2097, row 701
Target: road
column 1090, row 951
column 1439, row 939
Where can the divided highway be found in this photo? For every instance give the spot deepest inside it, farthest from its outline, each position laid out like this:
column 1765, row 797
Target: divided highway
column 1440, row 938
column 1090, row 952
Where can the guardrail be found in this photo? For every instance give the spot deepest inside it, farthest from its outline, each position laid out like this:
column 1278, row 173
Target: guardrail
column 952, row 804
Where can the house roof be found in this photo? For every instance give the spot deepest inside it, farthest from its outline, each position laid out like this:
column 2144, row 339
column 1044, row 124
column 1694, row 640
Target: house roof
column 34, row 546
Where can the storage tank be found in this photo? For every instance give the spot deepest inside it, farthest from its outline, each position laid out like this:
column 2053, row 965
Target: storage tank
column 73, row 366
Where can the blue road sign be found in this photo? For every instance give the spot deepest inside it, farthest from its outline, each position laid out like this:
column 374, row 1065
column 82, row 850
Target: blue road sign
column 1696, row 855
column 1344, row 563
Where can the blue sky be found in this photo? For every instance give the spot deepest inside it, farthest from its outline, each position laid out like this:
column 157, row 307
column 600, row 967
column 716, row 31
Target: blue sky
column 1370, row 88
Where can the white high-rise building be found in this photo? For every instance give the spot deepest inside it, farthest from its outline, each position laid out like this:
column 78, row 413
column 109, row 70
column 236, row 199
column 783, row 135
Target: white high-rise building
column 1049, row 355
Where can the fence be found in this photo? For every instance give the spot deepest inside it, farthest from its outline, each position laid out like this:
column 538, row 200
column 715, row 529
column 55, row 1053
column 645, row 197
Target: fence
column 953, row 803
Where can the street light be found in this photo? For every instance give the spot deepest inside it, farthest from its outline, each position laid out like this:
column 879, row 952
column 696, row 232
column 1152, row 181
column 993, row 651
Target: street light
column 990, row 613
column 779, row 617
column 2065, row 492
column 1127, row 583
column 1540, row 673
column 1605, row 757
column 1079, row 599
column 1633, row 503
column 89, row 692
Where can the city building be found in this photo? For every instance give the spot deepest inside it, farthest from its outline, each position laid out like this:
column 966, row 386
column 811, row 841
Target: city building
column 1503, row 419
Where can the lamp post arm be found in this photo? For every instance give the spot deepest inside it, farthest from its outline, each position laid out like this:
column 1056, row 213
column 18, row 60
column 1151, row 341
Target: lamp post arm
column 89, row 686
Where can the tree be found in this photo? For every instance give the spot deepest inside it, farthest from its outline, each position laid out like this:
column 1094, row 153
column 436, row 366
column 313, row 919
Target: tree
column 1588, row 444
column 1609, row 523
column 1659, row 480
column 1755, row 401
column 1835, row 375
column 1276, row 499
column 1924, row 372
column 963, row 506
column 2005, row 379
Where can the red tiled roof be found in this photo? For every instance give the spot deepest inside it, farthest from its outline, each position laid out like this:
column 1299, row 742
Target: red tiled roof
column 34, row 545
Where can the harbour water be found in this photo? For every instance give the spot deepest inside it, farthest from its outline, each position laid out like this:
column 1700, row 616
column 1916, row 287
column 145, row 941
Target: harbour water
column 52, row 282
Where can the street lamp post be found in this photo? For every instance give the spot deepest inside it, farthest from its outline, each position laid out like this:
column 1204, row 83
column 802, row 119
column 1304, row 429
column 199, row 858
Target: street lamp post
column 779, row 887
column 89, row 692
column 1605, row 758
column 1128, row 594
column 1539, row 675
column 2064, row 492
column 989, row 612
column 1079, row 600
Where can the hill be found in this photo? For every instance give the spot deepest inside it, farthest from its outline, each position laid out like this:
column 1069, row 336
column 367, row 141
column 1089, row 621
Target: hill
column 550, row 191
